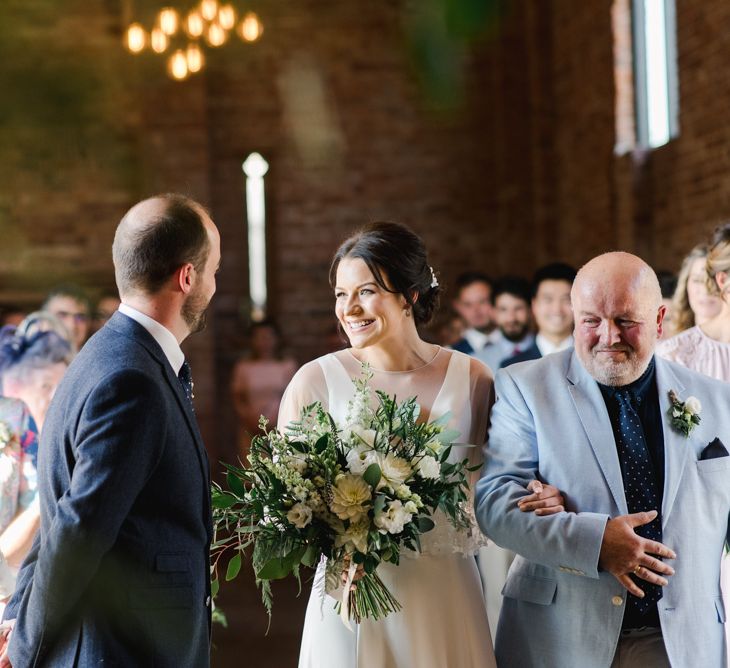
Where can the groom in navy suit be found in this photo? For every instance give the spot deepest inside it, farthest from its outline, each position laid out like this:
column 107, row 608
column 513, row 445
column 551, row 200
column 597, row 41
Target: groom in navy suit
column 119, row 574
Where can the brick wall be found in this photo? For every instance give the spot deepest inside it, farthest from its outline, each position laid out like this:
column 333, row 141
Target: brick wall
column 512, row 167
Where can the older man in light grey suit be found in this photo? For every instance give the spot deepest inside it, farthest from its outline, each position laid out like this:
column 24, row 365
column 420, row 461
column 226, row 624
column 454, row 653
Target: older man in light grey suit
column 629, row 574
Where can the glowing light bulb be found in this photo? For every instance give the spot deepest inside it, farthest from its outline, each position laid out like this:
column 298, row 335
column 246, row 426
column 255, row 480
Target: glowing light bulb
column 216, row 36
column 250, row 28
column 168, row 20
column 177, row 65
column 227, row 17
column 209, row 9
column 158, row 40
column 136, row 38
column 194, row 24
column 194, row 55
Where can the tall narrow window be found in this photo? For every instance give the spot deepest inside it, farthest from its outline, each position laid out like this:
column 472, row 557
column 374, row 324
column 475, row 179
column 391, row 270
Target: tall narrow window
column 655, row 39
column 645, row 72
column 255, row 168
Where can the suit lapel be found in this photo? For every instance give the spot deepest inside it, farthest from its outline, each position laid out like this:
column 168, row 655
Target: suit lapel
column 593, row 414
column 676, row 448
column 132, row 329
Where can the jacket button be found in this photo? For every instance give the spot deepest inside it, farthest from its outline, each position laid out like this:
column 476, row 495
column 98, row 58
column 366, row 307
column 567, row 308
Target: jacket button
column 207, row 601
column 617, row 600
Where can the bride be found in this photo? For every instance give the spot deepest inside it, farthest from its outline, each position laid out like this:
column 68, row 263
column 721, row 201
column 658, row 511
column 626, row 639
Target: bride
column 384, row 288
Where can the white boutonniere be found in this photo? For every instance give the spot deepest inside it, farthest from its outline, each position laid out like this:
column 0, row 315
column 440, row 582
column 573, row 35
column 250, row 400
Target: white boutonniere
column 685, row 415
column 6, row 435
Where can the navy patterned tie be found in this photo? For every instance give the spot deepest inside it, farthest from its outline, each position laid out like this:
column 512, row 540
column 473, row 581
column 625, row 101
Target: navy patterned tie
column 640, row 485
column 186, row 380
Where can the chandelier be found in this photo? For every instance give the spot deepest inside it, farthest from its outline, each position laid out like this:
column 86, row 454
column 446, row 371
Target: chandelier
column 182, row 37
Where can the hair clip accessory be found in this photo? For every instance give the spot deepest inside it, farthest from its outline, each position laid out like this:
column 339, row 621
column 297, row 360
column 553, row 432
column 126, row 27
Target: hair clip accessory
column 434, row 280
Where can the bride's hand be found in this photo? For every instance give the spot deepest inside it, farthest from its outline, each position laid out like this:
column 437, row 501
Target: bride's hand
column 359, row 573
column 544, row 500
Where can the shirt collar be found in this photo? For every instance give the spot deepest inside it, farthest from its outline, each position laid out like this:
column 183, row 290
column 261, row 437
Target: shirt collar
column 546, row 347
column 476, row 339
column 164, row 337
column 639, row 389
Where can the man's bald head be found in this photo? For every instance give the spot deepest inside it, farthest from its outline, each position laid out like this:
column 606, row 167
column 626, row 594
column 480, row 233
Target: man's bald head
column 623, row 273
column 617, row 303
column 154, row 239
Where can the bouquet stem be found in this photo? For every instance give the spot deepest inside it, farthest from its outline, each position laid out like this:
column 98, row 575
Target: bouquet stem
column 371, row 599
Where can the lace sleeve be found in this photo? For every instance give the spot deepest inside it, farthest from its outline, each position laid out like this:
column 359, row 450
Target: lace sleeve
column 307, row 386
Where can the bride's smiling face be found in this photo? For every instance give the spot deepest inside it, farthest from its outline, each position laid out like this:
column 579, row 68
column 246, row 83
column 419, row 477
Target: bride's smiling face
column 368, row 313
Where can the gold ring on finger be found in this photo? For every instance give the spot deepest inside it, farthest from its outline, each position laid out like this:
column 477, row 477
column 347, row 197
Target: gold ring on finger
column 637, row 568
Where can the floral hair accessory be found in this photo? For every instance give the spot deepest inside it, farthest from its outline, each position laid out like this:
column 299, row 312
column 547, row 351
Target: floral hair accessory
column 685, row 415
column 434, row 280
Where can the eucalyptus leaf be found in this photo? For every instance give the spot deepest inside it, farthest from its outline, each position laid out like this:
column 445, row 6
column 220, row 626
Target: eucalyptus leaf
column 274, row 569
column 234, row 567
column 425, row 524
column 223, row 501
column 372, row 475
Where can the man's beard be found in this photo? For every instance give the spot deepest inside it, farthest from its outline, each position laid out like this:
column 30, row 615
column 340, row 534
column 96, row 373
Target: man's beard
column 515, row 333
column 616, row 374
column 194, row 312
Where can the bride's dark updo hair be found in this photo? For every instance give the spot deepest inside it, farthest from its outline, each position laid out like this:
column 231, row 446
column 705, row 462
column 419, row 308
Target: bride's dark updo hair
column 394, row 251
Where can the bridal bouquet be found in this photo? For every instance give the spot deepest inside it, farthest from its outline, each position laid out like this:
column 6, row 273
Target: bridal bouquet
column 356, row 496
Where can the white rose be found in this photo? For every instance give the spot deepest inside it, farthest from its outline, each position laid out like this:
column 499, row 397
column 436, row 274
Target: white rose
column 403, row 492
column 350, row 497
column 299, row 515
column 393, row 519
column 692, row 405
column 395, row 470
column 359, row 458
column 429, row 467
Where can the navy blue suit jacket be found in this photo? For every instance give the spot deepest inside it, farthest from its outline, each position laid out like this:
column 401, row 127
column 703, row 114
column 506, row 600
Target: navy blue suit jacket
column 531, row 353
column 119, row 572
column 463, row 346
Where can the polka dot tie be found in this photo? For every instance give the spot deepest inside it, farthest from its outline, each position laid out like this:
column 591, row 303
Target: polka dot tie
column 186, row 380
column 640, row 484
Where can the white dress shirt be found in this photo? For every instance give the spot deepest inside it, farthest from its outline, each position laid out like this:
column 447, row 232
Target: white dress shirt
column 546, row 347
column 164, row 337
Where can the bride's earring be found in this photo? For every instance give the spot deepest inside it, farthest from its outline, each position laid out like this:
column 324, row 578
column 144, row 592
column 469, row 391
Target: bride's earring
column 408, row 312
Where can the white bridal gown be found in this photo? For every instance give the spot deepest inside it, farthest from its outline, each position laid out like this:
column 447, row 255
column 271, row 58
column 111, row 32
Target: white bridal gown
column 443, row 620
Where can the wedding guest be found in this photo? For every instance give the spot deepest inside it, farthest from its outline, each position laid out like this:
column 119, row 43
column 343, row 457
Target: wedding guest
column 473, row 302
column 551, row 311
column 31, row 367
column 72, row 307
column 18, row 485
column 692, row 303
column 384, row 289
column 706, row 347
column 590, row 587
column 105, row 308
column 258, row 381
column 511, row 300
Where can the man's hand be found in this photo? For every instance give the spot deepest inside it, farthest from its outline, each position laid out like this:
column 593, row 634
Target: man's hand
column 624, row 552
column 6, row 630
column 544, row 500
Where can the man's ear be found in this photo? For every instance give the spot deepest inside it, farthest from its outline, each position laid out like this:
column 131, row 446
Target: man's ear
column 186, row 278
column 660, row 320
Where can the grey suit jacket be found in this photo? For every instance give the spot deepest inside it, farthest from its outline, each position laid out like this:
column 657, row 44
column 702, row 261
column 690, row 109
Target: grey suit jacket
column 550, row 422
column 119, row 572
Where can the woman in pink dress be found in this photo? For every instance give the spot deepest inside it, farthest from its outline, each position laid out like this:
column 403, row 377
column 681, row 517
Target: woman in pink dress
column 706, row 346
